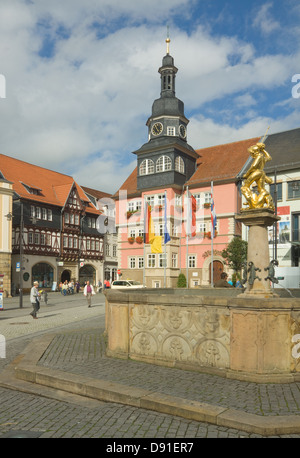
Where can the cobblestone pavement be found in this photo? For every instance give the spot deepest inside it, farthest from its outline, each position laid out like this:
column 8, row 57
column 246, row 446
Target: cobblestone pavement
column 79, row 348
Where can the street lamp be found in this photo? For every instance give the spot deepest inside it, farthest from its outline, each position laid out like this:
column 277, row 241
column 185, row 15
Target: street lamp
column 21, row 256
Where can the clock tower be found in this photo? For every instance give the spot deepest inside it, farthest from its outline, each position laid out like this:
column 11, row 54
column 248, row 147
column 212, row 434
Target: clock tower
column 166, row 159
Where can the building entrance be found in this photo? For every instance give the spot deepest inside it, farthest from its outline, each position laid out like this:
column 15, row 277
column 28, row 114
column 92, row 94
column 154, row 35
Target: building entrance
column 217, row 270
column 66, row 275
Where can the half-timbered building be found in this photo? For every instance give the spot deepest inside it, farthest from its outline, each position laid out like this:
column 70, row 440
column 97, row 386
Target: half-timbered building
column 55, row 229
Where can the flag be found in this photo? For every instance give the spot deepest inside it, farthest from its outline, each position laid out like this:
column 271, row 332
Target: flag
column 148, row 225
column 213, row 214
column 167, row 237
column 156, row 244
column 191, row 215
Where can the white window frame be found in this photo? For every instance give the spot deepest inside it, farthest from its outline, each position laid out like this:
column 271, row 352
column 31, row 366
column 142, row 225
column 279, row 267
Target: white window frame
column 207, row 198
column 192, row 261
column 163, row 164
column 161, row 258
column 179, row 164
column 132, row 262
column 151, row 261
column 146, row 167
column 174, row 260
column 171, row 131
column 44, row 213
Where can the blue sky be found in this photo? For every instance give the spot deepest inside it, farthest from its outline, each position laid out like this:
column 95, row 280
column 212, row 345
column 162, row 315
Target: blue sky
column 81, row 77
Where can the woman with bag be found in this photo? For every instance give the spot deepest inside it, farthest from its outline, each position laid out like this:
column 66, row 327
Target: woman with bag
column 35, row 299
column 88, row 292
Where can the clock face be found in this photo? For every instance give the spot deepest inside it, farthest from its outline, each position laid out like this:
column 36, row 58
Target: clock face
column 157, row 128
column 182, row 131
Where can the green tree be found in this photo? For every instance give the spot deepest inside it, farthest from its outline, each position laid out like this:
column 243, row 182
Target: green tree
column 235, row 254
column 181, row 282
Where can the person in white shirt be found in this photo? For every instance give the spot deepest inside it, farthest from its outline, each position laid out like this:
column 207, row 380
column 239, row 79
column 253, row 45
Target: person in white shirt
column 35, row 299
column 88, row 293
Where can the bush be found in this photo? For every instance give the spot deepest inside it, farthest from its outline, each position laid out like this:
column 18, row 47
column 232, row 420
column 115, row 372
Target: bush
column 181, row 282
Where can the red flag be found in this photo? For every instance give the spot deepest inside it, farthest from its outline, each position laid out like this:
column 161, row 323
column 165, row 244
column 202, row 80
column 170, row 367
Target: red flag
column 191, row 215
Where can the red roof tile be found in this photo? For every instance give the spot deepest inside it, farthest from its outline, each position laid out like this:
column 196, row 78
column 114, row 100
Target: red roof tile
column 54, row 188
column 222, row 162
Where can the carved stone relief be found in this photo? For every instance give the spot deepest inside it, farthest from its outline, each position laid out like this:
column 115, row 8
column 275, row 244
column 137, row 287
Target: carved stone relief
column 191, row 334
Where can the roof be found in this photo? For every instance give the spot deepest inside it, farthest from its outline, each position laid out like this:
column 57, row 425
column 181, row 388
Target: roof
column 284, row 148
column 95, row 192
column 53, row 188
column 130, row 185
column 216, row 163
column 222, row 162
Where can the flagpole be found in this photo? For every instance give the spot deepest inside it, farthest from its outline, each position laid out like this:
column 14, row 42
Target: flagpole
column 144, row 263
column 212, row 243
column 187, row 237
column 165, row 249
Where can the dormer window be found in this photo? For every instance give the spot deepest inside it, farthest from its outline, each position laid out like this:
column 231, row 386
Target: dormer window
column 179, row 164
column 163, row 164
column 32, row 189
column 147, row 167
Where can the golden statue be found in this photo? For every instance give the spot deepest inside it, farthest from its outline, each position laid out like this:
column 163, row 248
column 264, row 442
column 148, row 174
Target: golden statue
column 259, row 198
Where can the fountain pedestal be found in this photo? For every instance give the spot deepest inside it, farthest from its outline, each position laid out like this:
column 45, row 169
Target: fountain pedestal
column 258, row 258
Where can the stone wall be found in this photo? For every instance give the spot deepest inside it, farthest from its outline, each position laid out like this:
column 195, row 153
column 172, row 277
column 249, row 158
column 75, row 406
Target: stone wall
column 228, row 335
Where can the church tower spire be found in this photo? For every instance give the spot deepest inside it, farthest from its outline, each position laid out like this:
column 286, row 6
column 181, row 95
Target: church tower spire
column 167, row 158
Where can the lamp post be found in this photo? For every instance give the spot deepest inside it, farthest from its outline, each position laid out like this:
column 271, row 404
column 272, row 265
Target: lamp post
column 21, row 257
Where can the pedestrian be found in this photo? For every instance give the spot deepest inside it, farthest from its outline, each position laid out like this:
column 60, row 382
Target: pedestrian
column 88, row 292
column 65, row 288
column 106, row 284
column 77, row 286
column 99, row 286
column 71, row 287
column 238, row 284
column 35, row 299
column 223, row 283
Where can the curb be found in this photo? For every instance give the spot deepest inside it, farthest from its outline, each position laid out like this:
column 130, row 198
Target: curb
column 26, row 369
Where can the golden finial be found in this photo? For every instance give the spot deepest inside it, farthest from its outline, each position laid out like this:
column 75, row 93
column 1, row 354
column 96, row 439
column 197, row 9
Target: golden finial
column 168, row 40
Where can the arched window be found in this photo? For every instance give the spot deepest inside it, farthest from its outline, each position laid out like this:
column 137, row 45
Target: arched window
column 163, row 164
column 179, row 164
column 86, row 273
column 147, row 167
column 43, row 273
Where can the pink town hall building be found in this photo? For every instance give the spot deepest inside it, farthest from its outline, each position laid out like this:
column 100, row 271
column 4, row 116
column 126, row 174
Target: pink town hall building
column 168, row 170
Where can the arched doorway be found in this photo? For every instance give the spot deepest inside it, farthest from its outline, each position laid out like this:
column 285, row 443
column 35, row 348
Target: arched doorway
column 87, row 273
column 66, row 275
column 218, row 268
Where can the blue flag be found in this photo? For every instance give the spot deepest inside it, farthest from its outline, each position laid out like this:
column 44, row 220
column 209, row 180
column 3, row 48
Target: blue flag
column 167, row 235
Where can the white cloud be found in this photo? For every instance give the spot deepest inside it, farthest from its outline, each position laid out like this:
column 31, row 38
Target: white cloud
column 205, row 132
column 264, row 20
column 83, row 110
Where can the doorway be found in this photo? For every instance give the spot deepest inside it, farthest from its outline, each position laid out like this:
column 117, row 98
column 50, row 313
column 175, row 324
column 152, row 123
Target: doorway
column 66, row 275
column 218, row 268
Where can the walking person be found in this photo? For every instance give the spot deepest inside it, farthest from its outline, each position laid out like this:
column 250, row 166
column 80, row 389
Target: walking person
column 88, row 293
column 35, row 299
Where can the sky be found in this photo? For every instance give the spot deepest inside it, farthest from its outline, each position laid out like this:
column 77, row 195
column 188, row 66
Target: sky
column 78, row 77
